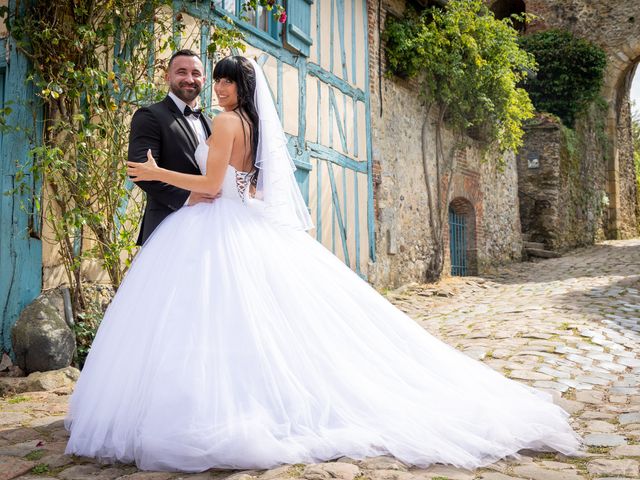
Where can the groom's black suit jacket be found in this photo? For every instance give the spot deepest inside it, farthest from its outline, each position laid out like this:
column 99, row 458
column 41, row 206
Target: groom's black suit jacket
column 163, row 128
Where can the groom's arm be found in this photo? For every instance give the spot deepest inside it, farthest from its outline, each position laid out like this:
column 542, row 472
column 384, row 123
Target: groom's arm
column 145, row 135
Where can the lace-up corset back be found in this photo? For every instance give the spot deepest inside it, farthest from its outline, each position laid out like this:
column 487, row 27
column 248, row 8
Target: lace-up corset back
column 235, row 182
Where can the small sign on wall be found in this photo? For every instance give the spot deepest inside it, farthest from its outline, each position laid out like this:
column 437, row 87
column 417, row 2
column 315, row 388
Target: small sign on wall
column 533, row 160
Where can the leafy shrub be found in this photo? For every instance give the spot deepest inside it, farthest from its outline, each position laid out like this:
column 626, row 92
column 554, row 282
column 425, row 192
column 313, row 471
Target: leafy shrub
column 570, row 73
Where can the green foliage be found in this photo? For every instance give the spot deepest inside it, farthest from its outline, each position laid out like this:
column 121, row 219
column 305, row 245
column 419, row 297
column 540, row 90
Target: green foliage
column 40, row 469
column 570, row 73
column 18, row 399
column 85, row 330
column 35, row 455
column 402, row 37
column 470, row 65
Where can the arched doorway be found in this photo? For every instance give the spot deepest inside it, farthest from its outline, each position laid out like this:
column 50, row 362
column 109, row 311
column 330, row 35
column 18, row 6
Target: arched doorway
column 462, row 238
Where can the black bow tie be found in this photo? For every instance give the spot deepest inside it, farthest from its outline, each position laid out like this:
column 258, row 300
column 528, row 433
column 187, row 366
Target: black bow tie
column 188, row 111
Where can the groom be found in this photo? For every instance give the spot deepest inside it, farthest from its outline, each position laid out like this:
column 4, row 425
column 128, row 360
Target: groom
column 172, row 129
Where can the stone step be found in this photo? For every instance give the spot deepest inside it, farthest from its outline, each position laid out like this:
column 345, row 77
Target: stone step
column 540, row 253
column 536, row 245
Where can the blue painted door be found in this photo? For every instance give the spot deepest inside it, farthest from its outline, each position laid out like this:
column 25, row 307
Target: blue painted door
column 20, row 249
column 458, row 243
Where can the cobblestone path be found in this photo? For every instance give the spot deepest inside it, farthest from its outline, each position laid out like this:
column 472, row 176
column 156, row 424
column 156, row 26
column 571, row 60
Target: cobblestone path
column 570, row 326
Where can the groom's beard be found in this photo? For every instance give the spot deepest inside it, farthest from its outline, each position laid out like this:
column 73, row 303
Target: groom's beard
column 183, row 94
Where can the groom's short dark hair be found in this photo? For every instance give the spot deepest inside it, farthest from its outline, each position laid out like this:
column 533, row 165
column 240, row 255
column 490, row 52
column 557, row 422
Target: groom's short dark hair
column 185, row 52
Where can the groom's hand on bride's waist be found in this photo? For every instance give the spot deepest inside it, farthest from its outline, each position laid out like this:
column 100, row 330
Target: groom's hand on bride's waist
column 196, row 198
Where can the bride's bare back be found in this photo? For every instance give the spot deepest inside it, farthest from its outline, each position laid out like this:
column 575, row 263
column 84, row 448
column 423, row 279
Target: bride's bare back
column 241, row 157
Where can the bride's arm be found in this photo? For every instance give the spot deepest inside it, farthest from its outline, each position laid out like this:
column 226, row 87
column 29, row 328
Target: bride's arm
column 217, row 161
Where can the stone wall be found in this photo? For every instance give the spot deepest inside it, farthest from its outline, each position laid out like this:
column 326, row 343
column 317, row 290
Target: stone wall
column 615, row 26
column 628, row 187
column 562, row 181
column 502, row 239
column 404, row 246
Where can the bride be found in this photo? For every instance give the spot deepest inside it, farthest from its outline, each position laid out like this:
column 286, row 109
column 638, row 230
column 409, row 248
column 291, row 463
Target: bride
column 238, row 341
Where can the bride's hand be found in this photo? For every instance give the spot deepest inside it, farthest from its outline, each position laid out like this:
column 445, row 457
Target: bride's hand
column 146, row 171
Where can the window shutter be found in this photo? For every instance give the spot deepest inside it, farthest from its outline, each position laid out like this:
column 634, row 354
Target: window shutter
column 298, row 26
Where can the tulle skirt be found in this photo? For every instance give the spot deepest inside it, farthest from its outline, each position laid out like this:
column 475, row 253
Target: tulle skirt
column 235, row 344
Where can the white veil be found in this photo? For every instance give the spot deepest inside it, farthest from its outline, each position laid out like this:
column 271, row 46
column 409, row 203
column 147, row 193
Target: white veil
column 277, row 191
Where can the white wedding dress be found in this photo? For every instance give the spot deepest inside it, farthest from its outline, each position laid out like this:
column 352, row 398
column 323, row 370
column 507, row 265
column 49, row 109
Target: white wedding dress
column 233, row 343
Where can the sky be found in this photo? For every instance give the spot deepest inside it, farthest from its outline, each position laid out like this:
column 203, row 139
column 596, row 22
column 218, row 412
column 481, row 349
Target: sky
column 635, row 91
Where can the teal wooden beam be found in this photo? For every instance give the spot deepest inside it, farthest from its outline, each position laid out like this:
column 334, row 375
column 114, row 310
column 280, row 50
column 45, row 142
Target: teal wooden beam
column 262, row 59
column 302, row 103
column 279, row 88
column 333, row 221
column 319, row 200
column 302, row 127
column 356, row 142
column 345, row 204
column 318, row 112
column 335, row 81
column 354, row 67
column 319, row 172
column 343, row 53
column 206, row 95
column 345, row 144
column 20, row 252
column 356, row 210
column 330, row 118
column 326, row 153
column 333, row 113
column 318, row 32
column 151, row 54
column 336, row 202
column 332, row 34
column 177, row 36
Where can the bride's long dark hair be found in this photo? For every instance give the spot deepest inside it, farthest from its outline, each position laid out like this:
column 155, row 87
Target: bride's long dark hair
column 239, row 70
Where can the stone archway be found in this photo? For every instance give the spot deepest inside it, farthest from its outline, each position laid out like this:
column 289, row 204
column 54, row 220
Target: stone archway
column 621, row 185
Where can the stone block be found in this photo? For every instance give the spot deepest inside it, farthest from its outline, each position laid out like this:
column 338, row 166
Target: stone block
column 41, row 338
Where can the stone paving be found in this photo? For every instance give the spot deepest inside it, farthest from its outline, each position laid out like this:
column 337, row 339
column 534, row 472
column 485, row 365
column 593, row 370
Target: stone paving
column 570, row 326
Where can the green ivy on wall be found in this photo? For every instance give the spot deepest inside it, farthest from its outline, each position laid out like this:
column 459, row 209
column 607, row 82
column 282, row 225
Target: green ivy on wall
column 469, row 64
column 570, row 73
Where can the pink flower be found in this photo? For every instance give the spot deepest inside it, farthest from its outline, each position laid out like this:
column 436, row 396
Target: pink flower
column 283, row 17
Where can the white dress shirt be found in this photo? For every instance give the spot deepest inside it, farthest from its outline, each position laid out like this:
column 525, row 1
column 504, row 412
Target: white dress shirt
column 194, row 123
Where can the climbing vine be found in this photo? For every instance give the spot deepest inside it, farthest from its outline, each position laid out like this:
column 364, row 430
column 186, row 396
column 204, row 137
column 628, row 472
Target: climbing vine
column 93, row 63
column 570, row 73
column 469, row 67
